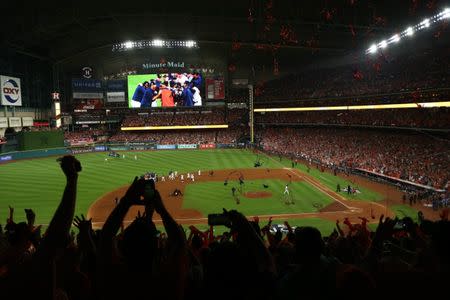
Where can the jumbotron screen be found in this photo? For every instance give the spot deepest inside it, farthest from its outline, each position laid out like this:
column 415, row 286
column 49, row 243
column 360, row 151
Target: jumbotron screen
column 165, row 90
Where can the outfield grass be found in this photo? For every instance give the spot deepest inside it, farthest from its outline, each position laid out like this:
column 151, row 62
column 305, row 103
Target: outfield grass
column 215, row 196
column 39, row 183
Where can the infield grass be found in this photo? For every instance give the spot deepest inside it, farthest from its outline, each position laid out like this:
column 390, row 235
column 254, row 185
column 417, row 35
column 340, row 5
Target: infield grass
column 211, row 197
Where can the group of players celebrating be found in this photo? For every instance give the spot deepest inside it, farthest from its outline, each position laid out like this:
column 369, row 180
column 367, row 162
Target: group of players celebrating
column 168, row 90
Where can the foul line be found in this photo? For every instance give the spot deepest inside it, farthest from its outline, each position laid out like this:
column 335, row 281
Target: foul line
column 317, row 186
column 313, row 183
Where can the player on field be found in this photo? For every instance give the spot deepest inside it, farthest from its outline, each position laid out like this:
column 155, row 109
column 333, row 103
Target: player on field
column 286, row 189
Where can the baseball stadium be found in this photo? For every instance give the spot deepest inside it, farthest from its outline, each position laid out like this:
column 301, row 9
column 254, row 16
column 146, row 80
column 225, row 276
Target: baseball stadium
column 265, row 149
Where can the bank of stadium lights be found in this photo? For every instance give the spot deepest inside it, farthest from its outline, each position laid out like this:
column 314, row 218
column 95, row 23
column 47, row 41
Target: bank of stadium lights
column 408, row 32
column 155, row 43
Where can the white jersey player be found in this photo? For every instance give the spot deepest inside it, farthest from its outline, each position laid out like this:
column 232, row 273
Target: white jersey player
column 197, row 98
column 286, row 189
column 199, row 172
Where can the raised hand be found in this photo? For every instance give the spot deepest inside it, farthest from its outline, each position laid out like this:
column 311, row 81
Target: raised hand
column 385, row 228
column 237, row 219
column 31, row 216
column 10, row 219
column 157, row 202
column 70, row 166
column 83, row 225
column 141, row 216
column 135, row 192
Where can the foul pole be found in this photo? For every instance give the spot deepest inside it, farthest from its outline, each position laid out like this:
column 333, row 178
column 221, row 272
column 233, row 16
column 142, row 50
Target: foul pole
column 250, row 112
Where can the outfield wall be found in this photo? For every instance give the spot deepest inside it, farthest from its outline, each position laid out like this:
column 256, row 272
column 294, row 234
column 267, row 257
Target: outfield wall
column 18, row 155
column 40, row 139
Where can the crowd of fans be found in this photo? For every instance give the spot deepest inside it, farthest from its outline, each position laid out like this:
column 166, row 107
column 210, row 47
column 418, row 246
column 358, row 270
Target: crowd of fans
column 237, row 116
column 175, row 118
column 248, row 261
column 419, row 158
column 411, row 73
column 437, row 118
column 220, row 136
column 84, row 136
column 418, row 96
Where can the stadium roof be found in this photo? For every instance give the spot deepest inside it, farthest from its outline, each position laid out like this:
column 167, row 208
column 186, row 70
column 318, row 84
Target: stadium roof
column 58, row 30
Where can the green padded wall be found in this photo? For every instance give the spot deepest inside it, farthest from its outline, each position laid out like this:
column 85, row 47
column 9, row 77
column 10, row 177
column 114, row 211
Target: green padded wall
column 40, row 140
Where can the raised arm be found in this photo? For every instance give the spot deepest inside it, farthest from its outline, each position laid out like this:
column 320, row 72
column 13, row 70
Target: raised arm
column 115, row 219
column 57, row 234
column 10, row 219
column 251, row 242
column 175, row 234
column 175, row 268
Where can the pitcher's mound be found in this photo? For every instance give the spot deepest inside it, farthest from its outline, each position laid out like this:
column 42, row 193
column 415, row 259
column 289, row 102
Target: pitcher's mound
column 258, row 194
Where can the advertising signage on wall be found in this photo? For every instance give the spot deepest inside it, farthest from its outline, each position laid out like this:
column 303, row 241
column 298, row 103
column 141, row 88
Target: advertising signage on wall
column 207, row 146
column 187, row 146
column 166, row 147
column 11, row 92
column 215, row 88
column 15, row 122
column 27, row 121
column 116, row 85
column 86, row 85
column 115, row 96
column 3, row 122
column 87, row 89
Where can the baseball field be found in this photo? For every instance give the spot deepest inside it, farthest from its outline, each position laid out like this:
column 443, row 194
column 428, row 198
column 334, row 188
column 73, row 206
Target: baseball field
column 259, row 191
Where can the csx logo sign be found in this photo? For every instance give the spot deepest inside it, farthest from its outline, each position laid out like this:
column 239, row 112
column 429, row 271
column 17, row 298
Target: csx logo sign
column 11, row 91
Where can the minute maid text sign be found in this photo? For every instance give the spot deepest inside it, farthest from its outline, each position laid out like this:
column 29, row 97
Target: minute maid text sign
column 169, row 64
column 10, row 91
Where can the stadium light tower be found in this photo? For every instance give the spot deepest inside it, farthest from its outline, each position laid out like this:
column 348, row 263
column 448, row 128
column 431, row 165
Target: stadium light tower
column 395, row 38
column 190, row 44
column 155, row 43
column 158, row 43
column 128, row 45
column 426, row 23
column 446, row 13
column 409, row 31
column 373, row 49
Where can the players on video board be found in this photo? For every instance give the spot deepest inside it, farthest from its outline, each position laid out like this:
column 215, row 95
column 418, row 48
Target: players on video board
column 164, row 90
